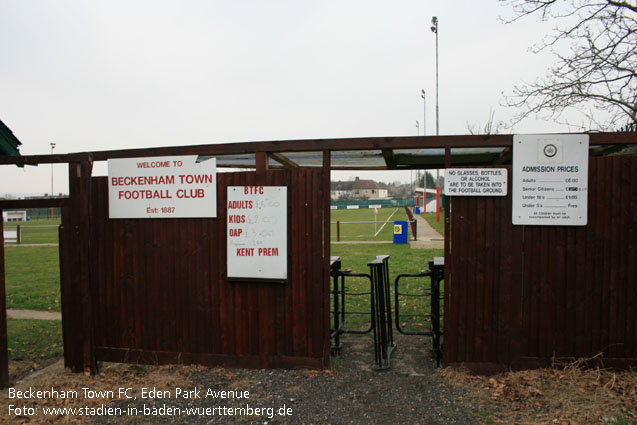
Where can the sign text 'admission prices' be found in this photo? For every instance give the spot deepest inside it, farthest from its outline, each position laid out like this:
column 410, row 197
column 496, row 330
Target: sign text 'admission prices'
column 550, row 179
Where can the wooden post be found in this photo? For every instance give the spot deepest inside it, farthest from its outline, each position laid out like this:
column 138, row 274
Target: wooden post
column 4, row 351
column 338, row 230
column 437, row 203
column 76, row 304
column 262, row 164
column 18, row 235
column 447, row 284
column 327, row 167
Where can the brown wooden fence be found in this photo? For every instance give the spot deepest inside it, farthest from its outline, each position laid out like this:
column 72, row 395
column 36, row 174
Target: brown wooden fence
column 159, row 292
column 519, row 296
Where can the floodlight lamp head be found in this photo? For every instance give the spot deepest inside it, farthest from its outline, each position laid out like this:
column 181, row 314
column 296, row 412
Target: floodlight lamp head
column 434, row 30
column 422, row 91
column 434, row 20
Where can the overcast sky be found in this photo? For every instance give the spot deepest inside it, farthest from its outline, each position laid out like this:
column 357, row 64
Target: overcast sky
column 96, row 75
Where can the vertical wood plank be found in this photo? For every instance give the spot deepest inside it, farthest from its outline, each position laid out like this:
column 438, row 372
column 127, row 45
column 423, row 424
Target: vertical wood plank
column 4, row 350
column 449, row 353
column 327, row 166
column 631, row 312
column 80, row 206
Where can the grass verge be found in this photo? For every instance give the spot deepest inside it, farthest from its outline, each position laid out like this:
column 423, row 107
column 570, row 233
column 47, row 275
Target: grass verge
column 31, row 231
column 564, row 395
column 33, row 277
column 403, row 259
column 34, row 340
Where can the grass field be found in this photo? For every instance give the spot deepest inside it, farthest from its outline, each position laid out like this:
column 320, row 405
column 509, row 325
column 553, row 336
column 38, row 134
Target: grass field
column 403, row 259
column 32, row 277
column 366, row 232
column 34, row 340
column 31, row 232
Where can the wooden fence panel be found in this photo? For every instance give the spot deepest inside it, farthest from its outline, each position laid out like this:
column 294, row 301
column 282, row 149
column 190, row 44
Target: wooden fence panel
column 520, row 296
column 162, row 295
column 4, row 353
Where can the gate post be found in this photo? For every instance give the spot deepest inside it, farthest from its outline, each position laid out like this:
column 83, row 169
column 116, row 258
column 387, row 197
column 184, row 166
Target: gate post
column 4, row 351
column 437, row 268
column 77, row 321
column 381, row 313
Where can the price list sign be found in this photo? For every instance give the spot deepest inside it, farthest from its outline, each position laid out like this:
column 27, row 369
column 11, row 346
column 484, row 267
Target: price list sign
column 257, row 232
column 550, row 179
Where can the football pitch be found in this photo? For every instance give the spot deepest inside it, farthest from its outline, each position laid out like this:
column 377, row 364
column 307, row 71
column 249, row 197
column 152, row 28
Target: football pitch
column 359, row 225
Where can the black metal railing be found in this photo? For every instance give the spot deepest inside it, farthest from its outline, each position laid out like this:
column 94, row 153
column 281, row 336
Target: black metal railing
column 339, row 312
column 380, row 313
column 436, row 275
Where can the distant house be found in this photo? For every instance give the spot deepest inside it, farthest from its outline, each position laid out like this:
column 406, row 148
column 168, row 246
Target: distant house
column 358, row 189
column 8, row 142
column 339, row 190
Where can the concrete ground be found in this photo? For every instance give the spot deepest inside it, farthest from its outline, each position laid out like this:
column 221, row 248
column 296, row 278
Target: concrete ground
column 427, row 236
column 33, row 314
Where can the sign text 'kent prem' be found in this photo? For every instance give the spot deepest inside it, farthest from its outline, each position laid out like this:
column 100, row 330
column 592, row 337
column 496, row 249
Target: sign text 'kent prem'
column 257, row 232
column 162, row 187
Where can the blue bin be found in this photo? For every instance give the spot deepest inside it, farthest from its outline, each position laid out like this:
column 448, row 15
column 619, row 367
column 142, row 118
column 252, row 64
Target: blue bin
column 400, row 232
column 417, row 210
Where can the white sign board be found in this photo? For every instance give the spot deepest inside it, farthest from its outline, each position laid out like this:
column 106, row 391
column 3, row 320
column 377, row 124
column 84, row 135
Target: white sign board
column 476, row 181
column 257, row 227
column 10, row 235
column 162, row 187
column 550, row 179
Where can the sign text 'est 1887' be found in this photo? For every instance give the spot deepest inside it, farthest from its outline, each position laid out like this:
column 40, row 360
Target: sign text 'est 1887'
column 162, row 187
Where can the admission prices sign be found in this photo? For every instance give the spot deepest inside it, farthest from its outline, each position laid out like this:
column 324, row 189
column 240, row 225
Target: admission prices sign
column 162, row 187
column 550, row 179
column 257, row 232
column 476, row 181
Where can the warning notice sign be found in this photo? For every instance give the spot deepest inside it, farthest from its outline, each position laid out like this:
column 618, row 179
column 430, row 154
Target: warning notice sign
column 476, row 181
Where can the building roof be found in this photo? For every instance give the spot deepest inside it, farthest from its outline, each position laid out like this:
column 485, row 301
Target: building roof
column 364, row 184
column 8, row 142
column 340, row 185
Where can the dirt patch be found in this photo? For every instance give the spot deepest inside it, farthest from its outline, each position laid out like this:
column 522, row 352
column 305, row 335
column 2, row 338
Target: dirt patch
column 349, row 393
column 569, row 394
column 20, row 369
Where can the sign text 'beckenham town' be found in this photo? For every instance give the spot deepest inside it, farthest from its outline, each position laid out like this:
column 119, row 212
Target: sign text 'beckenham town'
column 165, row 187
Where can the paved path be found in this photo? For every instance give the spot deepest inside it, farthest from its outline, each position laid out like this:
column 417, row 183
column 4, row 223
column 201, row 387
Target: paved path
column 34, row 314
column 361, row 242
column 31, row 244
column 427, row 236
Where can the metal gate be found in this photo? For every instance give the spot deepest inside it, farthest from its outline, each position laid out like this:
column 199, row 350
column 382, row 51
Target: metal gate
column 380, row 311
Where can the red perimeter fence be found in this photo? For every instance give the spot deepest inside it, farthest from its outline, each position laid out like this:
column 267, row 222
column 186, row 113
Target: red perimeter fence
column 519, row 296
column 159, row 292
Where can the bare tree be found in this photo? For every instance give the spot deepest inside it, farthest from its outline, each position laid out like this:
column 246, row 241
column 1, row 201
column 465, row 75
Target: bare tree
column 595, row 42
column 490, row 127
